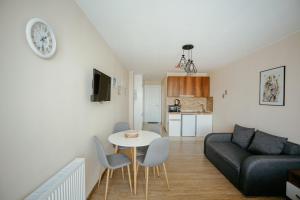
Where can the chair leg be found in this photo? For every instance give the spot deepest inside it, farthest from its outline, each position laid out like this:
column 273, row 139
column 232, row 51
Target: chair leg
column 153, row 171
column 131, row 152
column 157, row 169
column 137, row 169
column 99, row 180
column 166, row 176
column 123, row 173
column 111, row 173
column 129, row 178
column 107, row 180
column 147, row 177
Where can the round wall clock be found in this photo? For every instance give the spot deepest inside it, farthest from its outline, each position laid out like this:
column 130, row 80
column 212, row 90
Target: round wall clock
column 40, row 37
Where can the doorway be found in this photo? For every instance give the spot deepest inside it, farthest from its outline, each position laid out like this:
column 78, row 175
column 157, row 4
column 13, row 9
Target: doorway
column 152, row 103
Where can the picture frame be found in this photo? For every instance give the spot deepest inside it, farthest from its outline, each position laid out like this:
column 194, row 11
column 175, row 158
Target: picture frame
column 272, row 87
column 114, row 82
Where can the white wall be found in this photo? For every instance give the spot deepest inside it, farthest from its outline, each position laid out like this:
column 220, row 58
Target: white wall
column 164, row 109
column 46, row 117
column 138, row 101
column 131, row 98
column 241, row 80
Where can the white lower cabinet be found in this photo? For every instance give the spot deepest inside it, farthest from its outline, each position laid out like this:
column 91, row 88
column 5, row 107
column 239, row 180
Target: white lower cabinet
column 174, row 127
column 189, row 124
column 204, row 124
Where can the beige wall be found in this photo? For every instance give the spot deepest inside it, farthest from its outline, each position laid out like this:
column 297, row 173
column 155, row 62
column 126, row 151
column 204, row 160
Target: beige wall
column 152, row 82
column 241, row 80
column 46, row 117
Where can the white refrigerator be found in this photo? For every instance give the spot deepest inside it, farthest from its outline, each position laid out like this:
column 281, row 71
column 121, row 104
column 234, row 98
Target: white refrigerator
column 188, row 125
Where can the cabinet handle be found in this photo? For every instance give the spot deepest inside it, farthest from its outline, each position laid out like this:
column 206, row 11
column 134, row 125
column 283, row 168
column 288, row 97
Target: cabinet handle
column 297, row 196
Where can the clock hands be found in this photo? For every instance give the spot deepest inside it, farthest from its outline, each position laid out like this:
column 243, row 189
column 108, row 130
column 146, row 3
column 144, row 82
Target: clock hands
column 43, row 38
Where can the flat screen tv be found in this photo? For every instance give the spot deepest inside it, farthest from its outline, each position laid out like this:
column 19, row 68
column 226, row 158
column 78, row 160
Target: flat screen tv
column 101, row 86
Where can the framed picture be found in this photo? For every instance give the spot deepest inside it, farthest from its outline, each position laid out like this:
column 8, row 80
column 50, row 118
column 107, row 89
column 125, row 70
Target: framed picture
column 272, row 87
column 114, row 82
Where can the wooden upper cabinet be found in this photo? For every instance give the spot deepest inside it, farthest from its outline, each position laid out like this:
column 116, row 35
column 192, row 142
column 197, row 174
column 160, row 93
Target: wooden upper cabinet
column 188, row 85
column 181, row 85
column 205, row 82
column 173, row 87
column 198, row 86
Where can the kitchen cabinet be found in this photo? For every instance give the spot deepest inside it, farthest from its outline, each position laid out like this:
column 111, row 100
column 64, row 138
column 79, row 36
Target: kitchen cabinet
column 182, row 124
column 173, row 86
column 205, row 86
column 188, row 125
column 188, row 85
column 198, row 87
column 181, row 85
column 204, row 124
column 174, row 128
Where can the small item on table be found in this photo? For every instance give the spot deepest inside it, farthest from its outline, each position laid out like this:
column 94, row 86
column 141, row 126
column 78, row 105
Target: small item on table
column 131, row 134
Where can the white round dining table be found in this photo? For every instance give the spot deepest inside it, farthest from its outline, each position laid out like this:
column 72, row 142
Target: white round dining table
column 144, row 139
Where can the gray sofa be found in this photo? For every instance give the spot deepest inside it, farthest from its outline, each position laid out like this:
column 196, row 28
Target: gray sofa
column 252, row 173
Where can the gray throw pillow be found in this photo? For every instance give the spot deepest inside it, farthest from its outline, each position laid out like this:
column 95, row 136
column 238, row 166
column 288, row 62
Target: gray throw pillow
column 266, row 144
column 242, row 136
column 291, row 149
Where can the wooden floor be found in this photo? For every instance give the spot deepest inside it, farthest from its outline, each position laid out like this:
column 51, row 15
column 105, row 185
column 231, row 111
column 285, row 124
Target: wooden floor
column 191, row 176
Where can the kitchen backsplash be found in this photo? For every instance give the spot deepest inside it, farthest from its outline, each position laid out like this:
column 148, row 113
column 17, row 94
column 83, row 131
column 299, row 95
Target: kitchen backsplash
column 193, row 103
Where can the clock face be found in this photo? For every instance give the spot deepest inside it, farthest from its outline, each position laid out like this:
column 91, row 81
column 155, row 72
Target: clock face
column 40, row 38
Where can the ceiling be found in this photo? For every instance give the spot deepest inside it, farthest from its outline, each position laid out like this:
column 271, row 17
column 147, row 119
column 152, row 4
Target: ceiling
column 147, row 36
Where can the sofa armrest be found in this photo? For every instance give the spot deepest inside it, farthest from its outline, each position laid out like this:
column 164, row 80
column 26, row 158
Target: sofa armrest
column 266, row 174
column 218, row 137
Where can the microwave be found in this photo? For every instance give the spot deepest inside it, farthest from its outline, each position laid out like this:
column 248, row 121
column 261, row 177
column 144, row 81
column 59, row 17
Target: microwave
column 173, row 108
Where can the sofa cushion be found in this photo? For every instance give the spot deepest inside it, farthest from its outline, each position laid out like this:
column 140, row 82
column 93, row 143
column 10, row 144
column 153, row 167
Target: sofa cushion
column 231, row 153
column 291, row 149
column 242, row 136
column 264, row 143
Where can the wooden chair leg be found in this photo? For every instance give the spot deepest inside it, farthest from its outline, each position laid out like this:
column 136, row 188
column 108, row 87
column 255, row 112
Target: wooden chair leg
column 129, row 178
column 157, row 169
column 123, row 174
column 131, row 152
column 147, row 177
column 107, row 180
column 137, row 169
column 111, row 173
column 153, row 171
column 166, row 176
column 99, row 180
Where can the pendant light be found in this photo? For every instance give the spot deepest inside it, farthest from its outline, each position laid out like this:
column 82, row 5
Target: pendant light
column 182, row 61
column 188, row 66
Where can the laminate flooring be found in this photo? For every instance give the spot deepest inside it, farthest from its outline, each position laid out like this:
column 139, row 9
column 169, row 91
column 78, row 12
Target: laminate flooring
column 191, row 176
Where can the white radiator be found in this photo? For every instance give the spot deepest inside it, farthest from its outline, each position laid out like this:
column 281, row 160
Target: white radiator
column 67, row 184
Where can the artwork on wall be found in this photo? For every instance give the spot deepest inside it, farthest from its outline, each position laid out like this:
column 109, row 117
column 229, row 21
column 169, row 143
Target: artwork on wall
column 272, row 87
column 114, row 82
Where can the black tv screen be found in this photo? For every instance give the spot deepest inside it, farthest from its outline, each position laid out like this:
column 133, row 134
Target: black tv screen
column 101, row 86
